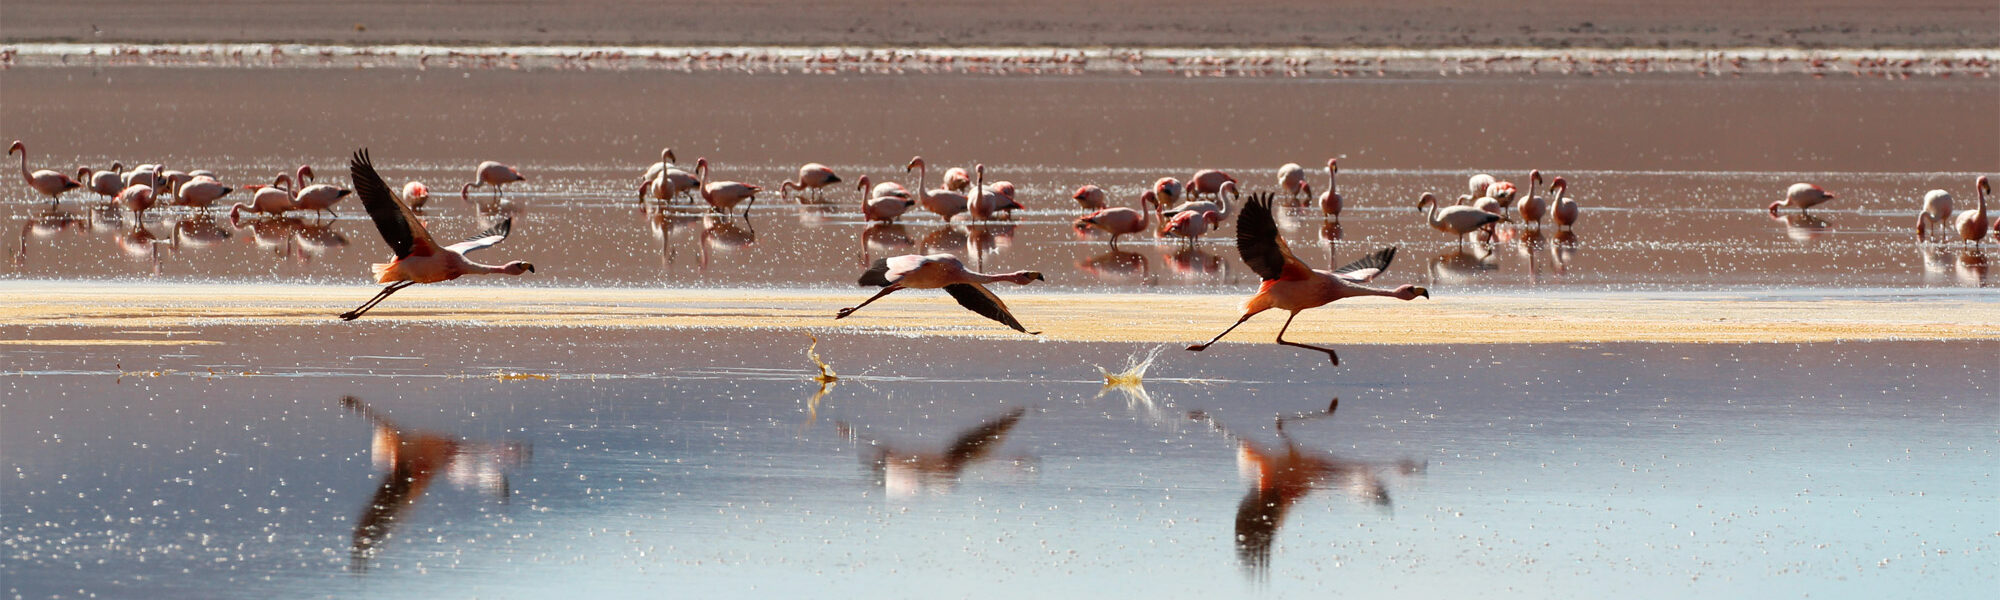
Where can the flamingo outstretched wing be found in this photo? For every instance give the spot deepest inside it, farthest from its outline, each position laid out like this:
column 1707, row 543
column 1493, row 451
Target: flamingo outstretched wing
column 981, row 300
column 400, row 228
column 1260, row 244
column 485, row 239
column 979, row 441
column 1367, row 267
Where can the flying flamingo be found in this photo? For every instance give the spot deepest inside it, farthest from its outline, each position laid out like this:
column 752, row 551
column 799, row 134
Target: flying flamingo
column 105, row 183
column 493, row 174
column 812, row 176
column 993, row 199
column 1455, row 220
column 1291, row 285
column 49, row 183
column 272, row 200
column 1329, row 200
column 1089, row 197
column 724, row 195
column 1563, row 210
column 1120, row 221
column 1207, row 181
column 1802, row 196
column 944, row 202
column 1292, row 179
column 1971, row 224
column 418, row 258
column 1479, row 184
column 1533, row 207
column 1937, row 209
column 915, row 271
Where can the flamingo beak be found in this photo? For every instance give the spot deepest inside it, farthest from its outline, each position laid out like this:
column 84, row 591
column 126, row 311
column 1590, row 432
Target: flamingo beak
column 529, row 266
column 1423, row 292
column 1037, row 276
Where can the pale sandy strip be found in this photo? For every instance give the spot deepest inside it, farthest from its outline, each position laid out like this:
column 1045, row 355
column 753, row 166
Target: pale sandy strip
column 1061, row 316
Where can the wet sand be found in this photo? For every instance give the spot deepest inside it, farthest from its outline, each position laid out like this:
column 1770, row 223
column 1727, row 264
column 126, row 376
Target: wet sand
column 1082, row 317
column 1418, row 24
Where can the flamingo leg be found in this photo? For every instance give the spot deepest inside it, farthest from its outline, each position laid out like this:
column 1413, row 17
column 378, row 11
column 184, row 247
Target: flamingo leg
column 878, row 296
column 1218, row 337
column 379, row 297
column 1330, row 355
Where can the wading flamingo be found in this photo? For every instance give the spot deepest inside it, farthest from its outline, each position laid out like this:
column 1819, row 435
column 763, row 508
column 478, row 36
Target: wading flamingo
column 724, row 195
column 271, row 200
column 666, row 162
column 1120, row 221
column 1533, row 207
column 1167, row 191
column 316, row 197
column 1207, row 182
column 914, row 271
column 1219, row 206
column 418, row 258
column 49, row 183
column 1191, row 224
column 106, row 183
column 1937, row 209
column 1291, row 285
column 416, row 194
column 813, row 177
column 877, row 190
column 943, row 201
column 1971, row 224
column 1292, row 179
column 1801, row 196
column 1563, row 210
column 957, row 180
column 493, row 174
column 994, row 199
column 1455, row 220
column 137, row 198
column 199, row 193
column 1089, row 197
column 1329, row 200
column 1479, row 184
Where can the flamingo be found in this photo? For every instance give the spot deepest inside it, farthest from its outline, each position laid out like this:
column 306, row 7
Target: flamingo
column 915, row 271
column 146, row 174
column 1562, row 210
column 666, row 162
column 200, row 193
column 1802, row 196
column 316, row 197
column 1191, row 224
column 1504, row 192
column 1089, row 197
column 1291, row 285
column 669, row 183
column 1456, row 220
column 273, row 199
column 49, row 183
column 1971, row 224
column 724, row 195
column 1120, row 221
column 419, row 259
column 883, row 202
column 494, row 174
column 877, row 190
column 1207, row 181
column 1219, row 206
column 1329, row 200
column 1292, row 179
column 1937, row 209
column 1532, row 208
column 137, row 198
column 416, row 194
column 943, row 201
column 1479, row 184
column 993, row 199
column 812, row 176
column 1167, row 191
column 957, row 180
column 105, row 183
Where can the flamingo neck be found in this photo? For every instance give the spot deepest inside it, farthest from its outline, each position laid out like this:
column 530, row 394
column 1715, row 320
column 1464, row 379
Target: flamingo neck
column 24, row 166
column 1332, row 186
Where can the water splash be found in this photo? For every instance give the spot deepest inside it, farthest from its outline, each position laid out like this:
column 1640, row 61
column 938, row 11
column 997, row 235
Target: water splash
column 1134, row 374
column 826, row 374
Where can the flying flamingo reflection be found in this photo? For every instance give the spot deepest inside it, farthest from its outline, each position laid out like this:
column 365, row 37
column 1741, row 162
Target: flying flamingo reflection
column 905, row 472
column 409, row 460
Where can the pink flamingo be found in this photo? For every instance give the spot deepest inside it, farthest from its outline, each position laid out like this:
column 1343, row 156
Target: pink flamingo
column 877, row 190
column 419, row 259
column 271, row 200
column 1455, row 220
column 416, row 194
column 106, row 183
column 944, row 202
column 1089, row 197
column 1292, row 179
column 1291, row 285
column 1207, row 182
column 913, row 271
column 1533, row 207
column 137, row 198
column 316, row 197
column 1167, row 191
column 724, row 195
column 1971, row 224
column 957, row 180
column 993, row 199
column 49, row 183
column 1192, row 224
column 1937, row 209
column 493, row 174
column 812, row 176
column 1802, row 196
column 1120, row 221
column 666, row 162
column 1479, row 184
column 1329, row 200
column 883, row 202
column 1562, row 210
column 199, row 193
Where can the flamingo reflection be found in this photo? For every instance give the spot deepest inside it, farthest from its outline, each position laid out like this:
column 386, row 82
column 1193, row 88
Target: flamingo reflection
column 1280, row 477
column 1116, row 266
column 1463, row 263
column 904, row 472
column 887, row 239
column 721, row 234
column 199, row 230
column 410, row 460
column 314, row 239
column 50, row 223
column 664, row 222
column 1803, row 228
column 1195, row 263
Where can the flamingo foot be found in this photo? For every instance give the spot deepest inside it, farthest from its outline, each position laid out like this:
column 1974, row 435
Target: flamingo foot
column 842, row 314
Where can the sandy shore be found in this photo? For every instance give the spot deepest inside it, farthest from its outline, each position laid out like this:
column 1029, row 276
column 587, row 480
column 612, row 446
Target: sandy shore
column 124, row 312
column 1141, row 23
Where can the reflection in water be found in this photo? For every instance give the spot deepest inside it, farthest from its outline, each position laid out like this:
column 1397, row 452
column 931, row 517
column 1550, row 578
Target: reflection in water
column 315, row 239
column 47, row 225
column 1280, row 477
column 273, row 233
column 141, row 244
column 1563, row 252
column 199, row 230
column 1116, row 266
column 664, row 222
column 1971, row 271
column 986, row 239
column 1462, row 263
column 886, row 239
column 946, row 238
column 1195, row 264
column 723, row 234
column 1804, row 228
column 904, row 472
column 409, row 461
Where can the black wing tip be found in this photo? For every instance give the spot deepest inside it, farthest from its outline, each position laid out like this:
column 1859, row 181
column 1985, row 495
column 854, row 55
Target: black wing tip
column 877, row 274
column 1378, row 259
